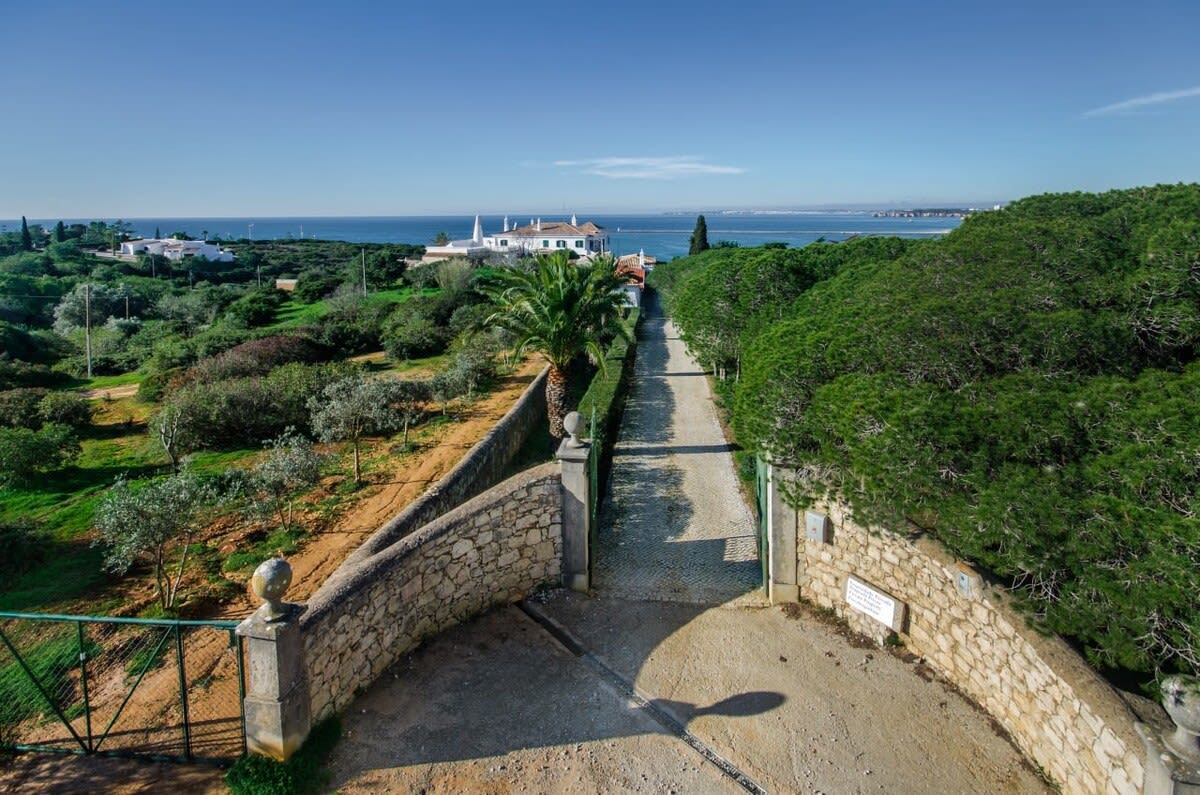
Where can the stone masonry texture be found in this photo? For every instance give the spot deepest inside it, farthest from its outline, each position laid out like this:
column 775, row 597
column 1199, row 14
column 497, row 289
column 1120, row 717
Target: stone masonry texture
column 494, row 549
column 1058, row 710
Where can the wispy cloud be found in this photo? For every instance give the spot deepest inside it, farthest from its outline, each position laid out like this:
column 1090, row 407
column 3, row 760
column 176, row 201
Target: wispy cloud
column 1157, row 98
column 647, row 167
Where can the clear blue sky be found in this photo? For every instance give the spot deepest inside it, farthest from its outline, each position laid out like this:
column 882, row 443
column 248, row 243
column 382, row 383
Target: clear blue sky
column 127, row 109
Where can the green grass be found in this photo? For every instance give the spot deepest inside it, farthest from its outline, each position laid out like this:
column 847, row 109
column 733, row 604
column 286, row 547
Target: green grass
column 51, row 662
column 302, row 774
column 293, row 313
column 296, row 313
column 63, row 504
column 280, row 542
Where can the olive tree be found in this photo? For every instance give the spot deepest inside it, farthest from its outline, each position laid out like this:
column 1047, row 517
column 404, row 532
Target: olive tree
column 350, row 409
column 152, row 522
column 291, row 464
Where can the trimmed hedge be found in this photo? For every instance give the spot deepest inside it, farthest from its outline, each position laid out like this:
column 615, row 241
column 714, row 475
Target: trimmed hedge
column 606, row 393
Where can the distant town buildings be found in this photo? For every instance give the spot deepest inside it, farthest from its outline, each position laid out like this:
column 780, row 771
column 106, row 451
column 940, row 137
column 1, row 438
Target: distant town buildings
column 934, row 212
column 176, row 250
column 586, row 240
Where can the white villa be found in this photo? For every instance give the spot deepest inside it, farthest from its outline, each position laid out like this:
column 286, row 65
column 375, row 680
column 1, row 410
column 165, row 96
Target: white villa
column 176, row 250
column 587, row 240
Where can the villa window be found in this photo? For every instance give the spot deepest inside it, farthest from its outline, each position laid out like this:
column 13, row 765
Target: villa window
column 578, row 244
column 503, row 242
column 560, row 244
column 545, row 244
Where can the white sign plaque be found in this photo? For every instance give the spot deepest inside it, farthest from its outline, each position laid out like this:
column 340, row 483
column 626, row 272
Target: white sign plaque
column 872, row 602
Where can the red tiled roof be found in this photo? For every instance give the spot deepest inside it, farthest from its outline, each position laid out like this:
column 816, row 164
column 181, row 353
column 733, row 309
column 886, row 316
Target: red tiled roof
column 551, row 228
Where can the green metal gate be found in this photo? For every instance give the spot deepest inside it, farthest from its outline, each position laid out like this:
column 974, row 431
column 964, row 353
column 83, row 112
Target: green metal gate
column 152, row 688
column 762, row 472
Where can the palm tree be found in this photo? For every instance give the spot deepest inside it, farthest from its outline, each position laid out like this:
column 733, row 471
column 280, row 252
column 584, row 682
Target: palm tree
column 562, row 310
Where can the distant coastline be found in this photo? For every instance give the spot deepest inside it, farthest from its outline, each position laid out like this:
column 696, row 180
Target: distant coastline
column 663, row 235
column 939, row 212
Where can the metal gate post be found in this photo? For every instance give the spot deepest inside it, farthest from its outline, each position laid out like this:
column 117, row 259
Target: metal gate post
column 83, row 680
column 783, row 526
column 183, row 695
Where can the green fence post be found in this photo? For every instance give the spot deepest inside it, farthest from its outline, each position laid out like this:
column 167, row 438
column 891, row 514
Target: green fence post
column 83, row 680
column 236, row 642
column 183, row 696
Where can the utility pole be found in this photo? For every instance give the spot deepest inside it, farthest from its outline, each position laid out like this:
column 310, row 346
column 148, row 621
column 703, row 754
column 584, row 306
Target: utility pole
column 87, row 325
column 364, row 272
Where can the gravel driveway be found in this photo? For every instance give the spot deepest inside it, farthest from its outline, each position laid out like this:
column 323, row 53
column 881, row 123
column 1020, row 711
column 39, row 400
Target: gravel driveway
column 673, row 526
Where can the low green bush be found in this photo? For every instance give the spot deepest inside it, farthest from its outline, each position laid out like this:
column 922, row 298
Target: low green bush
column 66, row 408
column 605, row 397
column 303, row 773
column 19, row 407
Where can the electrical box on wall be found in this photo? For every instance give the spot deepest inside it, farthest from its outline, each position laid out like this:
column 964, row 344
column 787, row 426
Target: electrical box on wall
column 816, row 527
column 968, row 581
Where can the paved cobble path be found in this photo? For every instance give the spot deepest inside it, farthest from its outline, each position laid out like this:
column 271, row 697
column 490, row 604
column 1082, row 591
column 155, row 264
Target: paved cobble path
column 673, row 526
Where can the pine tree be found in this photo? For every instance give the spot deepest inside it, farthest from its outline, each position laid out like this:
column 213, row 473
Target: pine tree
column 699, row 240
column 26, row 238
column 157, row 233
column 60, row 232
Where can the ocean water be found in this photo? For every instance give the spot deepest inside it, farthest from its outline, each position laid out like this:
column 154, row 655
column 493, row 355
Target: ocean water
column 663, row 235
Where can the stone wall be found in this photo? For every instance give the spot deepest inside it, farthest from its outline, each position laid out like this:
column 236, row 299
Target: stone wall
column 1062, row 714
column 482, row 467
column 493, row 549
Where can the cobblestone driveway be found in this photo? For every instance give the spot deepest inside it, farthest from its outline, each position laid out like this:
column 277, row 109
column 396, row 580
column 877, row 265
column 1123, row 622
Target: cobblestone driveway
column 673, row 526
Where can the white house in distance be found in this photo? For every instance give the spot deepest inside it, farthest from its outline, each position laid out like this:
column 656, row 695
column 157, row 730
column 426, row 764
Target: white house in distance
column 586, row 239
column 176, row 250
column 459, row 248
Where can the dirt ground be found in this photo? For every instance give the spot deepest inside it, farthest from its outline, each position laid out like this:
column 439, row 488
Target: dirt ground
column 112, row 393
column 393, row 488
column 394, row 482
column 781, row 697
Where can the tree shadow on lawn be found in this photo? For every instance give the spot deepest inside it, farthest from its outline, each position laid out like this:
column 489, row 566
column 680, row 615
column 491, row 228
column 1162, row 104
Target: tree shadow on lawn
column 71, row 480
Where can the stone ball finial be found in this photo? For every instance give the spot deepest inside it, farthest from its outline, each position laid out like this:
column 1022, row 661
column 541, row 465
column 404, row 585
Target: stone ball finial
column 269, row 583
column 573, row 424
column 1181, row 699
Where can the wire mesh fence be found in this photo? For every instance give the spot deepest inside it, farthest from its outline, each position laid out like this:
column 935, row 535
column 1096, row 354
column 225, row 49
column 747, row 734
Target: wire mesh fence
column 121, row 686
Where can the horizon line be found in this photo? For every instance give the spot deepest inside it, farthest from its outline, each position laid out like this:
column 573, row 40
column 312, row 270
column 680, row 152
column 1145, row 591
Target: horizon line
column 848, row 207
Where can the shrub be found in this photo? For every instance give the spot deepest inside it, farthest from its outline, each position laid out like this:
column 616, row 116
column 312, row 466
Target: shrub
column 66, row 408
column 257, row 308
column 313, row 285
column 24, row 452
column 605, row 397
column 16, row 374
column 20, row 408
column 241, row 412
column 414, row 337
column 159, row 383
column 257, row 357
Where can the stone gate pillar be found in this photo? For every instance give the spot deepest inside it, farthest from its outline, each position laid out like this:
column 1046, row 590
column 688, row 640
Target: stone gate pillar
column 276, row 702
column 783, row 527
column 573, row 457
column 1173, row 760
